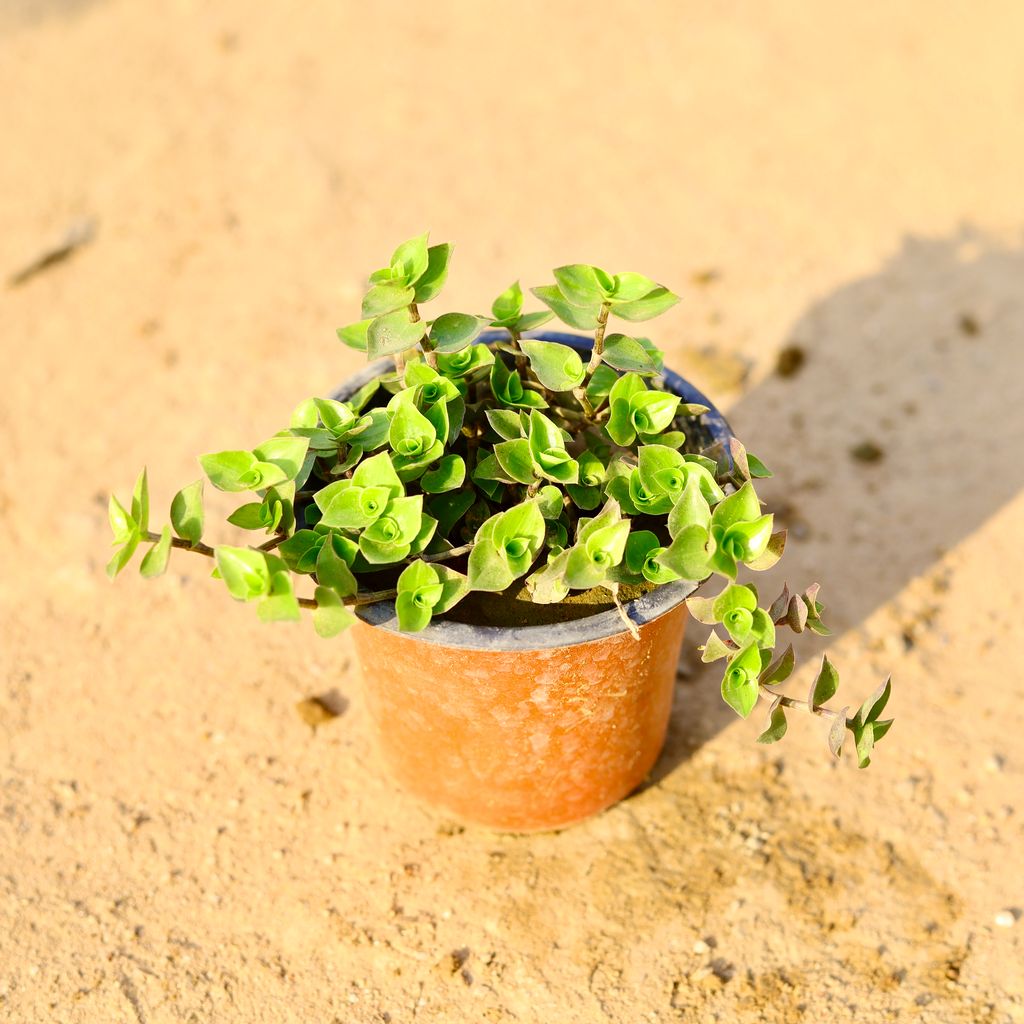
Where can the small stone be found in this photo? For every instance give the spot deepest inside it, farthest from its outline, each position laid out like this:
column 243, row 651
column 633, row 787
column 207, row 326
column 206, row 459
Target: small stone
column 702, row 278
column 969, row 325
column 314, row 711
column 1008, row 918
column 867, row 452
column 700, row 947
column 790, row 361
column 995, row 763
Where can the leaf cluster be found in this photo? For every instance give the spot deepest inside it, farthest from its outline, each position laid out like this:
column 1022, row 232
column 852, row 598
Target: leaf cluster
column 478, row 465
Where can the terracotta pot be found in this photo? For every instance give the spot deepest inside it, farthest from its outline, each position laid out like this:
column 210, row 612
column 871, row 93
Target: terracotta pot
column 523, row 728
column 529, row 727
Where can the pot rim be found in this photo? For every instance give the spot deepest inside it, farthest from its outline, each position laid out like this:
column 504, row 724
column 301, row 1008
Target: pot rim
column 655, row 603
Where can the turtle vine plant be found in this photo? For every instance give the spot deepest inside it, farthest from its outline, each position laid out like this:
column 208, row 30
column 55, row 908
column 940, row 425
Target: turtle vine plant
column 475, row 466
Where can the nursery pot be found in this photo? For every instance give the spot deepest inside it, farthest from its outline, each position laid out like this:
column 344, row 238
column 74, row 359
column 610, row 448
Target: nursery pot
column 524, row 728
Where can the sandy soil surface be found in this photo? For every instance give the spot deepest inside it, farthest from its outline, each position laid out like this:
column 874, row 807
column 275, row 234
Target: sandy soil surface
column 176, row 843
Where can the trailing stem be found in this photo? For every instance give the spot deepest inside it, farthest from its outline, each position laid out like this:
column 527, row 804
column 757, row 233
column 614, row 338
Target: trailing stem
column 602, row 326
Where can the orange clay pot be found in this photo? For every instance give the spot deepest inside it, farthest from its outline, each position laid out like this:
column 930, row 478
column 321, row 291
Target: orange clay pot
column 523, row 728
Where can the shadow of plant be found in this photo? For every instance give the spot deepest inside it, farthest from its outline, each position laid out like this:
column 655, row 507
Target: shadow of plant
column 922, row 361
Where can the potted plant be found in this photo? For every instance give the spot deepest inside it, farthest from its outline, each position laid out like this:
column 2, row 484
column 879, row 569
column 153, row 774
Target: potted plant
column 515, row 525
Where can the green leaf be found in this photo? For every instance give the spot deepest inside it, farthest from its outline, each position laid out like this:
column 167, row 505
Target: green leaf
column 506, row 423
column 337, row 417
column 771, row 554
column 399, row 524
column 121, row 523
column 409, row 261
column 586, row 498
column 454, row 587
column 488, row 567
column 386, row 298
column 592, row 470
column 550, row 501
column 837, row 733
column 235, row 471
column 417, row 575
column 600, row 384
column 873, row 707
column 825, row 685
column 248, row 516
column 378, row 471
column 583, row 318
column 370, row 431
column 780, row 669
column 301, row 550
column 689, row 554
column 557, row 367
column 864, row 738
column 140, row 503
column 460, row 364
column 734, row 598
column 332, row 570
column 579, row 283
column 715, row 649
column 280, row 604
column 287, row 453
column 741, row 507
column 547, row 446
column 356, row 335
column 651, row 305
column 411, row 433
column 330, row 616
column 629, row 287
column 124, row 554
column 653, row 411
column 591, row 559
column 244, row 571
column 626, row 353
column 452, row 332
column 393, row 332
column 531, row 321
column 432, row 280
column 776, row 727
column 155, row 561
column 412, row 616
column 449, row 475
column 304, row 415
column 509, row 304
column 186, row 512
column 354, row 508
column 702, row 609
column 516, row 460
column 449, row 508
column 508, row 388
column 739, row 685
column 691, row 509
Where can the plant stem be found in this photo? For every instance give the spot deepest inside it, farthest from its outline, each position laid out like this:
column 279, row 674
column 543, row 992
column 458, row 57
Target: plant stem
column 451, row 553
column 522, row 363
column 602, row 325
column 364, row 597
column 798, row 705
column 428, row 350
column 269, row 545
column 176, row 542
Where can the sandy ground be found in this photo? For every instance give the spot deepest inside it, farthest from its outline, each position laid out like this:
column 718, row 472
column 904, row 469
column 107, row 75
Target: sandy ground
column 176, row 844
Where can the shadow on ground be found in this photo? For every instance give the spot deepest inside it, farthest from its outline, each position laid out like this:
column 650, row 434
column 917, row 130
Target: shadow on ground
column 923, row 360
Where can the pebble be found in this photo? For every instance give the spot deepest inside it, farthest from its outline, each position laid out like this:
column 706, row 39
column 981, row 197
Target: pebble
column 995, row 763
column 700, row 947
column 1007, row 918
